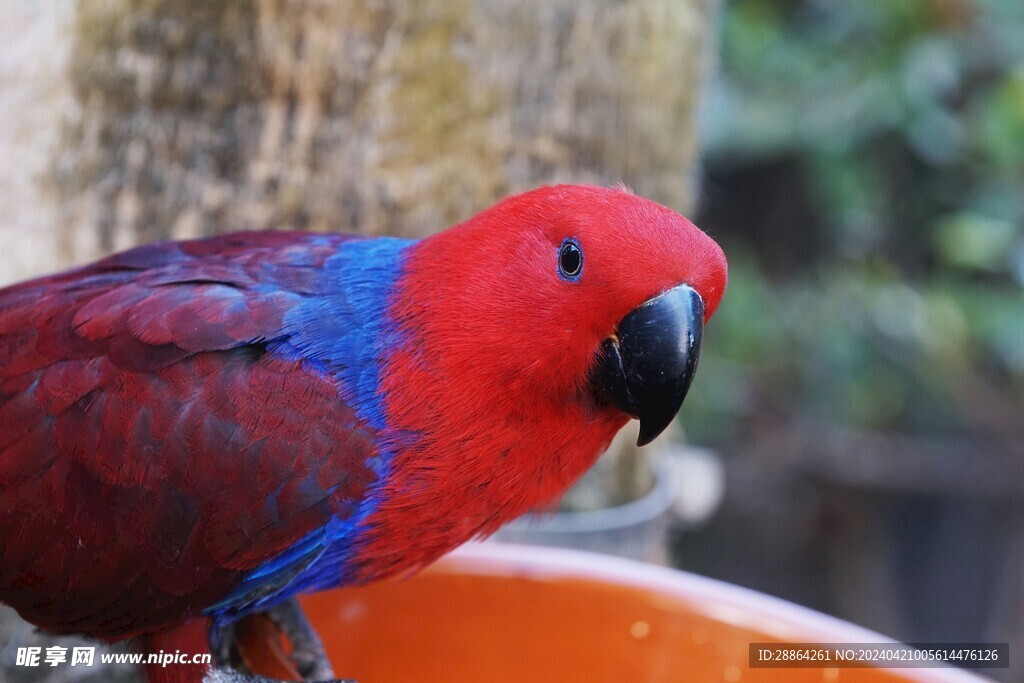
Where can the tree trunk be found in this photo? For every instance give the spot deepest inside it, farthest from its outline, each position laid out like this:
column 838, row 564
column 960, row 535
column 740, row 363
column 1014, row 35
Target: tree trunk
column 168, row 118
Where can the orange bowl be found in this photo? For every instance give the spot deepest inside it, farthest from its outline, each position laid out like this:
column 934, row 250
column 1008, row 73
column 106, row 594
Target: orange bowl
column 497, row 613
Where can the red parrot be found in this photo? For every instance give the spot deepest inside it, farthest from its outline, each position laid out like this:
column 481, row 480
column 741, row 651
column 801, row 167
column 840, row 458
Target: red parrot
column 200, row 430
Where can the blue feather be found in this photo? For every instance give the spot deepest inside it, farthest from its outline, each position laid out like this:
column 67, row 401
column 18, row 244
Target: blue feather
column 342, row 329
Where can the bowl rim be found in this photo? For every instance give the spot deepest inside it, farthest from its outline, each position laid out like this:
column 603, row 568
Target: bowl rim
column 714, row 599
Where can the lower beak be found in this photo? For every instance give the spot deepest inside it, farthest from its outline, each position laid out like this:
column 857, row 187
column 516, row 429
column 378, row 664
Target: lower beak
column 646, row 368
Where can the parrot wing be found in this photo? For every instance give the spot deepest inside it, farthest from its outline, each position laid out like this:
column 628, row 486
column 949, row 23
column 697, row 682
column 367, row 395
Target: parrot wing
column 154, row 449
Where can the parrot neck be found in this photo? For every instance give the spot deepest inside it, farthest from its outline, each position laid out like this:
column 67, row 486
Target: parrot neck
column 342, row 329
column 465, row 441
column 487, row 444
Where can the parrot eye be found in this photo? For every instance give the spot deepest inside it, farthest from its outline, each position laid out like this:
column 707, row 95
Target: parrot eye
column 570, row 259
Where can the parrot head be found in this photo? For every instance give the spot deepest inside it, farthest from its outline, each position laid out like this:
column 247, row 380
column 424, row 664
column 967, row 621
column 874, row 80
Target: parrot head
column 579, row 297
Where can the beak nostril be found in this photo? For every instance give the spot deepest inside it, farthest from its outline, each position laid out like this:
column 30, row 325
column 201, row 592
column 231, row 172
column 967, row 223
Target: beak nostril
column 608, row 378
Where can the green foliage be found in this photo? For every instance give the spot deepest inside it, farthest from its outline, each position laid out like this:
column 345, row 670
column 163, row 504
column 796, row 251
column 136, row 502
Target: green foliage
column 860, row 346
column 861, row 92
column 907, row 122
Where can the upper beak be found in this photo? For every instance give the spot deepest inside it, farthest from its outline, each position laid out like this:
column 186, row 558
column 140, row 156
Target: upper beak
column 646, row 368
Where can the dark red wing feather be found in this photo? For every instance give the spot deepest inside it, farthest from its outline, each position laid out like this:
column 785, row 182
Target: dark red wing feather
column 151, row 449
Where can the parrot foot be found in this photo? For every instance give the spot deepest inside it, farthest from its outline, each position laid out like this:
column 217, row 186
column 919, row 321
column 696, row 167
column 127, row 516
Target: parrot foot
column 235, row 642
column 308, row 653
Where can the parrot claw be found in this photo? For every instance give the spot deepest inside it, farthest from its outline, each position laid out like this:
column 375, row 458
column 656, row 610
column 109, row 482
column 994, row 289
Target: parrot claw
column 307, row 655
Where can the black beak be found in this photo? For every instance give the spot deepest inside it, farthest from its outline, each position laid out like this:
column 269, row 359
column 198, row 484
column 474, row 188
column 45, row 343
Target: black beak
column 646, row 368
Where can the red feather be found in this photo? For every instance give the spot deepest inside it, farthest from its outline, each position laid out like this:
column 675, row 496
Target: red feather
column 151, row 454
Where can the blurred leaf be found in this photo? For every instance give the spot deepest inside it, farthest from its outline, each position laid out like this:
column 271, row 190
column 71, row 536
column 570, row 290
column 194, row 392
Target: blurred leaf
column 1000, row 128
column 970, row 240
column 906, row 120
